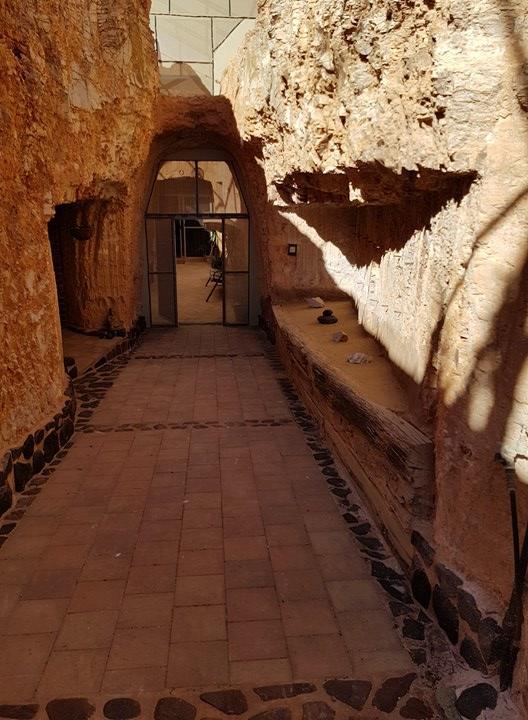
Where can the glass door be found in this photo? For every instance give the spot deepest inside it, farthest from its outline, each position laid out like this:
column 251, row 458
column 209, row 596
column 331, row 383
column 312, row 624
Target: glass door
column 236, row 270
column 198, row 224
column 161, row 270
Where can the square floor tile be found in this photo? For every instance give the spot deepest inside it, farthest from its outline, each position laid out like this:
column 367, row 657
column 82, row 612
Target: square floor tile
column 243, row 525
column 258, row 672
column 320, row 656
column 294, row 557
column 300, row 585
column 251, row 604
column 139, row 647
column 198, row 664
column 202, row 539
column 152, row 610
column 106, row 568
column 35, row 616
column 149, row 579
column 354, row 594
column 66, row 557
column 51, row 584
column 16, row 689
column 134, row 680
column 194, row 519
column 202, row 623
column 199, row 590
column 73, row 673
column 284, row 535
column 331, row 542
column 97, row 595
column 246, row 548
column 87, row 630
column 156, row 553
column 25, row 654
column 255, row 640
column 248, row 573
column 160, row 530
column 347, row 566
column 308, row 617
column 201, row 562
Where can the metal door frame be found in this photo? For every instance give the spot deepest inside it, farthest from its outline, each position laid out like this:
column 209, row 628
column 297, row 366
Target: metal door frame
column 173, row 273
column 181, row 217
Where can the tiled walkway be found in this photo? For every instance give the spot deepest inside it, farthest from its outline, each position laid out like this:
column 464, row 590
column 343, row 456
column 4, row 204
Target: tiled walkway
column 199, row 556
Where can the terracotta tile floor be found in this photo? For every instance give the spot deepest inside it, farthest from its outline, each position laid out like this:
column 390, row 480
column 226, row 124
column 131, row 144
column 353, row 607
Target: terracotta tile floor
column 191, row 557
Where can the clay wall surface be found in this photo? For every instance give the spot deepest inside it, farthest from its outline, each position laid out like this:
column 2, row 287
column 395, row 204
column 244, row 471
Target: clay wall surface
column 78, row 84
column 394, row 140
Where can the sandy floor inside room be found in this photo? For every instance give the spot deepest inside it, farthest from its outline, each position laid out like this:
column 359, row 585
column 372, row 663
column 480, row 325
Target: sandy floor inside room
column 192, row 293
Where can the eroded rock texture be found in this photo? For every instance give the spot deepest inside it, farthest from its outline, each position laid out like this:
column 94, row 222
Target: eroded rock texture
column 78, row 82
column 408, row 121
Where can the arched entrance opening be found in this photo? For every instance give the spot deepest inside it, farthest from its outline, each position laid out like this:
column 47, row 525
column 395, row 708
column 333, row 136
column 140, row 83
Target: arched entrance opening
column 197, row 230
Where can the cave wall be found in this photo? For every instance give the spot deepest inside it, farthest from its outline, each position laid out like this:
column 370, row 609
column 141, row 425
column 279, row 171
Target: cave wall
column 407, row 122
column 76, row 99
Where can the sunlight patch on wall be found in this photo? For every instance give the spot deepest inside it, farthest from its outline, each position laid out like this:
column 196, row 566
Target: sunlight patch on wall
column 360, row 283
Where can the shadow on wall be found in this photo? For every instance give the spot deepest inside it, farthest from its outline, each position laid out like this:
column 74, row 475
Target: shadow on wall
column 369, row 251
column 373, row 230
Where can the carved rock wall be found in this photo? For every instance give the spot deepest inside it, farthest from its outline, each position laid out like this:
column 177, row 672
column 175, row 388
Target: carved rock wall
column 78, row 84
column 394, row 140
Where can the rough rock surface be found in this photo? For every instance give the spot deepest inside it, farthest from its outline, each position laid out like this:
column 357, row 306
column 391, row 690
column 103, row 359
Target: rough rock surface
column 394, row 143
column 78, row 83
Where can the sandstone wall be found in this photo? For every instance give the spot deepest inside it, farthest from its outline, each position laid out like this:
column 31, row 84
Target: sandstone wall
column 410, row 119
column 78, row 83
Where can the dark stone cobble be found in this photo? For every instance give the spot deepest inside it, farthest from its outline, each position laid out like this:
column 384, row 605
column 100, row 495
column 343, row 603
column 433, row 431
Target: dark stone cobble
column 276, row 692
column 230, row 702
column 122, row 709
column 472, row 701
column 413, row 629
column 446, row 613
column 317, row 710
column 18, row 712
column 416, row 709
column 70, row 709
column 472, row 655
column 467, row 607
column 173, row 708
column 275, row 714
column 351, row 692
column 421, row 588
column 388, row 695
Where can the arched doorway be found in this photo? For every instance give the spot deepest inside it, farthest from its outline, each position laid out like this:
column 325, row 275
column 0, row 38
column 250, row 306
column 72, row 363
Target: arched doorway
column 197, row 230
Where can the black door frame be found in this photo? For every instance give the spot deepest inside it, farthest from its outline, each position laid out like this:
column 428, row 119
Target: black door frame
column 181, row 217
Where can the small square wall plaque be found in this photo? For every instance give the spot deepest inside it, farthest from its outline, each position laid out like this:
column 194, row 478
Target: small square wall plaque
column 292, row 249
